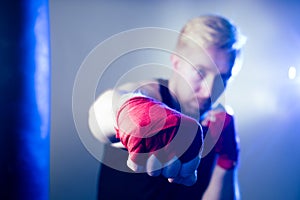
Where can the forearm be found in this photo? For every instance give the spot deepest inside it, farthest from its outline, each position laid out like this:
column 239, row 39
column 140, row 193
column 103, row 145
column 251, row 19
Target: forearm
column 101, row 122
column 102, row 114
column 223, row 185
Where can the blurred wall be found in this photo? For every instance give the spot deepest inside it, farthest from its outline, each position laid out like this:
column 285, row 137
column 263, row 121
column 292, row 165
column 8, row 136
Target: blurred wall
column 264, row 99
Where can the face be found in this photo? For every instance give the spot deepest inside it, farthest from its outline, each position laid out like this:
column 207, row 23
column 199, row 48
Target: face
column 201, row 78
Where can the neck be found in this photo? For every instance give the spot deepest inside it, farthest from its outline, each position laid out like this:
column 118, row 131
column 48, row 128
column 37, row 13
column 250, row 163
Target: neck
column 172, row 85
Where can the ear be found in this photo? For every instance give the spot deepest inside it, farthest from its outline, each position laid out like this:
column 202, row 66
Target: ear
column 175, row 61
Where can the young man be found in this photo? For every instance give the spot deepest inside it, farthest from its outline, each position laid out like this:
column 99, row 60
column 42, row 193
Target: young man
column 146, row 118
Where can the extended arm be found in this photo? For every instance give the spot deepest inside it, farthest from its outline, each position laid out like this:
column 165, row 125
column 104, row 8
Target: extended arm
column 145, row 125
column 102, row 113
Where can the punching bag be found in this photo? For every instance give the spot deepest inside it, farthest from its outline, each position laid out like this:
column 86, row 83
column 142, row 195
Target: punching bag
column 24, row 99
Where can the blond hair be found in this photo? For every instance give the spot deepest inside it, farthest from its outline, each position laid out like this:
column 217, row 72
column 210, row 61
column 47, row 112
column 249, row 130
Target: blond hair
column 210, row 31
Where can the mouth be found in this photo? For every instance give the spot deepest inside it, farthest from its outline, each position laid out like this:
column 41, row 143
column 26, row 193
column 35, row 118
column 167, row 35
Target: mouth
column 196, row 109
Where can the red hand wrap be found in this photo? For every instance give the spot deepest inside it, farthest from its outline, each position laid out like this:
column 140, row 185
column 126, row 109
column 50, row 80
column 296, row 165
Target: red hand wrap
column 145, row 126
column 227, row 145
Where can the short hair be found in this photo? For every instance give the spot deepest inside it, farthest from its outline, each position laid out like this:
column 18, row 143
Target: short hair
column 210, row 31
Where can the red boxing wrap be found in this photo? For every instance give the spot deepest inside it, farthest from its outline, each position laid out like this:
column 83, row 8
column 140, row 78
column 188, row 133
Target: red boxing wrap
column 227, row 145
column 146, row 126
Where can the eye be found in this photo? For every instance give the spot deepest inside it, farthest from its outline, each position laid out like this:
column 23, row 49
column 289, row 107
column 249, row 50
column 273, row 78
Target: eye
column 201, row 73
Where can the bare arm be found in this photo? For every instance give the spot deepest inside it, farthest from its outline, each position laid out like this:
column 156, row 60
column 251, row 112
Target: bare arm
column 223, row 185
column 103, row 111
column 101, row 118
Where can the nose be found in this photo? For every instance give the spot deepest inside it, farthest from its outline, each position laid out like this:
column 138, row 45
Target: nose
column 206, row 87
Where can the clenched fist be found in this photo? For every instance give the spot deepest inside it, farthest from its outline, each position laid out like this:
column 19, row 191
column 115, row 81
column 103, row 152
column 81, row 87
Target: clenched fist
column 160, row 140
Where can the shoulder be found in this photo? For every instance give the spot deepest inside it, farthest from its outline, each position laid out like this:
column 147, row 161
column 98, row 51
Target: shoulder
column 150, row 88
column 218, row 114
